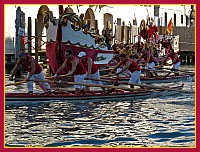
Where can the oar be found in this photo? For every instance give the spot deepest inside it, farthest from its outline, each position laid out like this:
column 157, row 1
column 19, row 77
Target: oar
column 186, row 72
column 161, row 88
column 125, row 79
column 60, row 76
column 107, row 86
column 105, row 70
column 24, row 81
column 89, row 85
column 176, row 70
column 150, row 86
column 160, row 70
column 16, row 83
column 112, row 80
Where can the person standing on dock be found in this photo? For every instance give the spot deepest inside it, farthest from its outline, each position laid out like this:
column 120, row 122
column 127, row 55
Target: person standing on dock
column 92, row 70
column 34, row 72
column 176, row 61
column 131, row 66
column 75, row 68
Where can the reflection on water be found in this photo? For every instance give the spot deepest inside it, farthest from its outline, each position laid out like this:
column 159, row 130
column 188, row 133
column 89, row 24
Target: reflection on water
column 152, row 122
column 167, row 121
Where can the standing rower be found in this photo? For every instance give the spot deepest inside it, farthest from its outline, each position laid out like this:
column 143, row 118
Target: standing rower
column 115, row 60
column 91, row 68
column 75, row 68
column 34, row 72
column 176, row 61
column 131, row 66
column 149, row 62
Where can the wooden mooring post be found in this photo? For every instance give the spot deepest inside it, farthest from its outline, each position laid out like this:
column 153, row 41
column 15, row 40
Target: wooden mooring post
column 36, row 39
column 20, row 32
column 29, row 36
column 188, row 58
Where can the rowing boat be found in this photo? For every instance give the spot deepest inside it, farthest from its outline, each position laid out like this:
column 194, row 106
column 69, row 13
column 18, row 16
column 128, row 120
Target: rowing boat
column 97, row 95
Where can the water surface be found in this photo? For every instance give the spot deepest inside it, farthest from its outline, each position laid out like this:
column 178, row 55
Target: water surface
column 165, row 122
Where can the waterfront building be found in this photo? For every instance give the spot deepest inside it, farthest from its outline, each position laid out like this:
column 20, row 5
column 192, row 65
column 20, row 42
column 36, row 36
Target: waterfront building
column 123, row 20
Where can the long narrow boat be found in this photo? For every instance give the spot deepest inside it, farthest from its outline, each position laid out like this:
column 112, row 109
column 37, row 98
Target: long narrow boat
column 91, row 96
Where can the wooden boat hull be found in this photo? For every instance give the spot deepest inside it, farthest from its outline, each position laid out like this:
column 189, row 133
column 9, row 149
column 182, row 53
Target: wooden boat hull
column 94, row 96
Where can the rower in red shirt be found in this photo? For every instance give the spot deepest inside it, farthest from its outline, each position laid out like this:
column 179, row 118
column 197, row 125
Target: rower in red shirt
column 76, row 69
column 114, row 61
column 149, row 63
column 176, row 61
column 34, row 72
column 91, row 68
column 131, row 66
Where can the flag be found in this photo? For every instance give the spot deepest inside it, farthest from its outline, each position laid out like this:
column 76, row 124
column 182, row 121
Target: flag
column 169, row 27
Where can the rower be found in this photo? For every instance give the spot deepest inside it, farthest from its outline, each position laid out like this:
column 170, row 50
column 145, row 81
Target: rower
column 149, row 62
column 93, row 74
column 34, row 72
column 75, row 68
column 176, row 62
column 131, row 66
column 115, row 60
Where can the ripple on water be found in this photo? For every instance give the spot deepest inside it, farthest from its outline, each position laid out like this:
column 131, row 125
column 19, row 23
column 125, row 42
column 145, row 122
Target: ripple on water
column 166, row 121
column 170, row 135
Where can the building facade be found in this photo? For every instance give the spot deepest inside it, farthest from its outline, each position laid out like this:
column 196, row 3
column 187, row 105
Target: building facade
column 123, row 20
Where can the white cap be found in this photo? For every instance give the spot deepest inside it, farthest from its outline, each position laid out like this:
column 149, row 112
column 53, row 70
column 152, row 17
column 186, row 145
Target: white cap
column 81, row 54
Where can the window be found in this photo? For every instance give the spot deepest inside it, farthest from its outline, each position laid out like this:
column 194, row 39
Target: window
column 187, row 20
column 156, row 10
column 174, row 19
column 165, row 19
column 181, row 19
